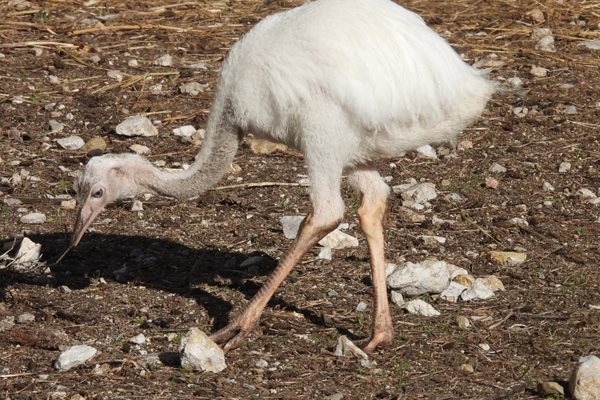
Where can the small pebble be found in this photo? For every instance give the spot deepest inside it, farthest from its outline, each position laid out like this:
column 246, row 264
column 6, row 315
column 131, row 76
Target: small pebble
column 137, row 205
column 492, row 183
column 361, row 307
column 138, row 339
column 25, row 318
column 33, row 218
column 64, row 289
column 164, row 61
column 467, row 368
column 463, row 322
column 74, row 356
column 497, row 168
column 564, row 167
column 192, row 88
column 115, row 74
column 539, row 72
column 72, row 142
column 139, row 149
column 55, row 126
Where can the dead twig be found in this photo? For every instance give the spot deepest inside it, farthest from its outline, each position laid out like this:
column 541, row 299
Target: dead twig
column 38, row 43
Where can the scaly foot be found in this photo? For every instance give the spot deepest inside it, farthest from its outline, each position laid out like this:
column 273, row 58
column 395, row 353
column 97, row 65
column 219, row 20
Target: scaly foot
column 231, row 336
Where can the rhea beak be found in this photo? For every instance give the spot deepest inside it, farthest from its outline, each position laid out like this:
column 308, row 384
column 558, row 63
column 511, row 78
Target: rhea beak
column 87, row 215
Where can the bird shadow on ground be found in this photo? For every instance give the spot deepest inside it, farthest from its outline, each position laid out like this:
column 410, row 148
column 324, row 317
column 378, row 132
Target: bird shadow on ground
column 154, row 263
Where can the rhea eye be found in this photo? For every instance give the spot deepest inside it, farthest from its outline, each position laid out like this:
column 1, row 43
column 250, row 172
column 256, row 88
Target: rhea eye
column 98, row 193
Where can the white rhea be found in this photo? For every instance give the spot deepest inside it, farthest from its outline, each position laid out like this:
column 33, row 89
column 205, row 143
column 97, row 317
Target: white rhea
column 345, row 82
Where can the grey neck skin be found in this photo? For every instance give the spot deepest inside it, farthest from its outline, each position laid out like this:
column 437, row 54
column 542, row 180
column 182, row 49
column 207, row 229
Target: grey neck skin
column 213, row 161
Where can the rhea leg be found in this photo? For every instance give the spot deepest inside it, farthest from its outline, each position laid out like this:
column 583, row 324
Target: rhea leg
column 374, row 192
column 326, row 215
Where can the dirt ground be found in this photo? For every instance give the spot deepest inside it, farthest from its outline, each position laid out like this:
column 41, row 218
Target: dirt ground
column 177, row 265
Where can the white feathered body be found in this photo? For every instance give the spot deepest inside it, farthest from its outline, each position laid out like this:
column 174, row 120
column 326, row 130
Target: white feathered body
column 367, row 77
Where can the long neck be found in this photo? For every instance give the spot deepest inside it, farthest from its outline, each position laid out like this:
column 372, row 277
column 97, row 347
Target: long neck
column 215, row 157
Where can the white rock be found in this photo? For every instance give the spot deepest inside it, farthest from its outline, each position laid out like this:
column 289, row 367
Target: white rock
column 345, row 347
column 430, row 276
column 74, row 356
column 291, row 225
column 590, row 44
column 389, row 268
column 564, row 167
column 455, row 271
column 361, row 307
column 548, row 187
column 325, row 254
column 538, row 72
column 492, row 282
column 416, row 195
column 33, row 218
column 12, row 202
column 497, row 168
column 54, row 79
column 192, row 88
column 585, row 195
column 432, row 241
column 420, row 307
column 520, row 111
column 115, row 74
column 25, row 318
column 515, row 82
column 139, row 149
column 427, row 151
column 545, row 40
column 137, row 205
column 6, row 323
column 463, row 322
column 133, row 63
column 511, row 258
column 137, row 125
column 477, row 291
column 164, row 61
column 184, row 131
column 28, row 254
column 569, row 110
column 484, row 346
column 520, row 222
column 261, row 363
column 55, row 126
column 199, row 353
column 397, row 298
column 69, row 204
column 71, row 142
column 156, row 89
column 453, row 291
column 138, row 339
column 338, row 240
column 585, row 381
column 491, row 61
